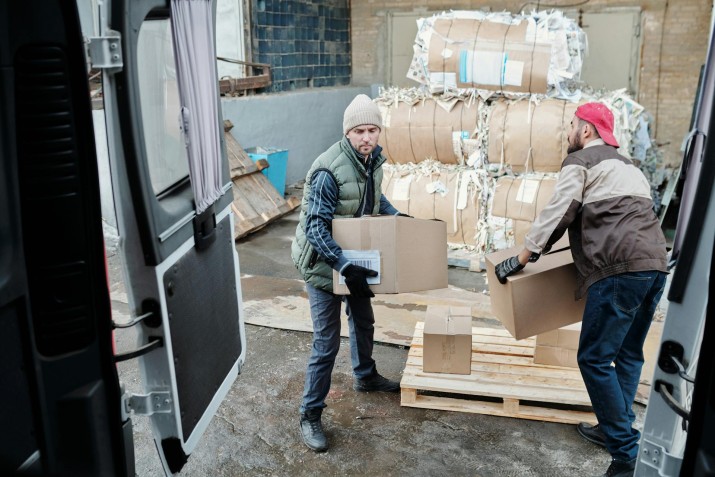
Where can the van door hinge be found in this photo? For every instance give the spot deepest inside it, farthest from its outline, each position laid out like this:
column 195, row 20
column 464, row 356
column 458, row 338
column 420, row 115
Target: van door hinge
column 657, row 457
column 147, row 404
column 105, row 52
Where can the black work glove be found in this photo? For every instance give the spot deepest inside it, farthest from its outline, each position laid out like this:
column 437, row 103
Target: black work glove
column 507, row 268
column 356, row 280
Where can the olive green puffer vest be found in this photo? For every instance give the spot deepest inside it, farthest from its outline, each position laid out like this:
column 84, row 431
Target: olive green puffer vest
column 349, row 172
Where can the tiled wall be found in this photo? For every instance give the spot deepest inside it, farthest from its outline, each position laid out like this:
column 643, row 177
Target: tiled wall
column 306, row 42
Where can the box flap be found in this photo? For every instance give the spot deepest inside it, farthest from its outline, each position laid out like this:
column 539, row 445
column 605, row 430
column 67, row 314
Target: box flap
column 448, row 320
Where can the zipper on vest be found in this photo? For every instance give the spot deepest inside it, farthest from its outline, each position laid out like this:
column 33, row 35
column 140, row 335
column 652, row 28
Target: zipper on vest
column 313, row 259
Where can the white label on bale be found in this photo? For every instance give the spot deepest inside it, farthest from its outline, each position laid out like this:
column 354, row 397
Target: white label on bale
column 528, row 189
column 513, row 72
column 482, row 67
column 401, row 191
column 445, row 79
column 369, row 259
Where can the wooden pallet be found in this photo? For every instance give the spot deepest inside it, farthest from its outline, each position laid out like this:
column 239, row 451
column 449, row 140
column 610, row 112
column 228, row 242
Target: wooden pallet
column 504, row 382
column 255, row 201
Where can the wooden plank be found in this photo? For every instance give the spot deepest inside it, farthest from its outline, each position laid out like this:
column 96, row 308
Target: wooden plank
column 501, row 368
column 466, row 259
column 255, row 201
column 538, row 413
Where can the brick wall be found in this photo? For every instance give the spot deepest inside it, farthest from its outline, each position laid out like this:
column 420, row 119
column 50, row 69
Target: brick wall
column 306, row 42
column 674, row 45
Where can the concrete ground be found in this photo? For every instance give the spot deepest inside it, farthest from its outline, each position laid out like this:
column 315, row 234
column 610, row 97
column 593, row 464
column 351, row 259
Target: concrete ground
column 255, row 431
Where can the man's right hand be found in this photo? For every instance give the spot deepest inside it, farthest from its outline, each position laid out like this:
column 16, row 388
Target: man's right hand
column 507, row 268
column 356, row 280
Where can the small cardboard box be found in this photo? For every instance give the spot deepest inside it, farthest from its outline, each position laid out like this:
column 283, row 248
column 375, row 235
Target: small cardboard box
column 537, row 299
column 558, row 347
column 447, row 341
column 412, row 252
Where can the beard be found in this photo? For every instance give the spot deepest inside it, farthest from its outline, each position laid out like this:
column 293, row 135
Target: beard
column 577, row 144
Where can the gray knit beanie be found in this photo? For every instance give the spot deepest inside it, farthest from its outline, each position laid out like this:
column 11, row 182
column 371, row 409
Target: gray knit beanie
column 361, row 111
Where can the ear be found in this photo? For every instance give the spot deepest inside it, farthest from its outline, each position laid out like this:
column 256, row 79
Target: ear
column 589, row 130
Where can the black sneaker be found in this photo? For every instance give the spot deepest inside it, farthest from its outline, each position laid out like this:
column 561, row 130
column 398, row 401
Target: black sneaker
column 312, row 430
column 620, row 469
column 593, row 434
column 376, row 383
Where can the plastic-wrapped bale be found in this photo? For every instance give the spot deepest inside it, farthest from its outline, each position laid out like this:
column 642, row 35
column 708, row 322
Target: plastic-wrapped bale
column 497, row 51
column 451, row 195
column 530, row 136
column 428, row 129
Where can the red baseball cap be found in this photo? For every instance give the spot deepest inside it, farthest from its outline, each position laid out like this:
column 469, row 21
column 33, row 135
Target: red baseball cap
column 601, row 117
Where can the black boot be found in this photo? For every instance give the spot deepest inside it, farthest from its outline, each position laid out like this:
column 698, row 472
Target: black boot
column 620, row 469
column 592, row 434
column 312, row 430
column 376, row 383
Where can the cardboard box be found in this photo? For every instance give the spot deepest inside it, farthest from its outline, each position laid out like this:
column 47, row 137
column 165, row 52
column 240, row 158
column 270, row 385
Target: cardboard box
column 558, row 347
column 539, row 298
column 412, row 252
column 447, row 339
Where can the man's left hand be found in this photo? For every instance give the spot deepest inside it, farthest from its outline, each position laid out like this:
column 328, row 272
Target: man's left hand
column 507, row 268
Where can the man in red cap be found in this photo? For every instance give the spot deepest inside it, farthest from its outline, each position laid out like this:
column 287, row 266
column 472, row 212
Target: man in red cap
column 604, row 202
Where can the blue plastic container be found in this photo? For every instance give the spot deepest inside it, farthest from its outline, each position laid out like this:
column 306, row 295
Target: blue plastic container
column 277, row 164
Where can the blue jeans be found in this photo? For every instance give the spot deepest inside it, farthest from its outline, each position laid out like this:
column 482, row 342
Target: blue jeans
column 619, row 310
column 325, row 313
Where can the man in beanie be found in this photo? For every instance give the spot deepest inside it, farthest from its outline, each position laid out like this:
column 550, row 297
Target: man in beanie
column 618, row 248
column 344, row 181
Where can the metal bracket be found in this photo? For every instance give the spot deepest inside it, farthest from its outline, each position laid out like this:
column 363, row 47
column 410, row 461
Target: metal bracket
column 148, row 404
column 657, row 457
column 105, row 51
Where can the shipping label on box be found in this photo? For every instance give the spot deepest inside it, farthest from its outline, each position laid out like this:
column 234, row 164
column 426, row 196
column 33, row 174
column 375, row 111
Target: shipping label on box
column 539, row 298
column 413, row 252
column 369, row 259
column 447, row 340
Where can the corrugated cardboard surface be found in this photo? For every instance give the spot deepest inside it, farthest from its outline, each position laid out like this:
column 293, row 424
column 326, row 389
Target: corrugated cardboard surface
column 555, row 356
column 415, row 133
column 501, row 51
column 413, row 252
column 530, row 136
column 447, row 340
column 565, row 337
column 522, row 198
column 539, row 298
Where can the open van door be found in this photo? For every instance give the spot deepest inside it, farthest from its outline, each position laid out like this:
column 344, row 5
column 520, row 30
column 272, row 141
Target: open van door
column 172, row 194
column 62, row 409
column 679, row 427
column 60, row 405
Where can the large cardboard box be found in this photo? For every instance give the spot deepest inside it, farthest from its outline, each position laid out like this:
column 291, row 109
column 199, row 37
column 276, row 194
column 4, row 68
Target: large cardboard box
column 558, row 347
column 412, row 252
column 447, row 339
column 539, row 298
